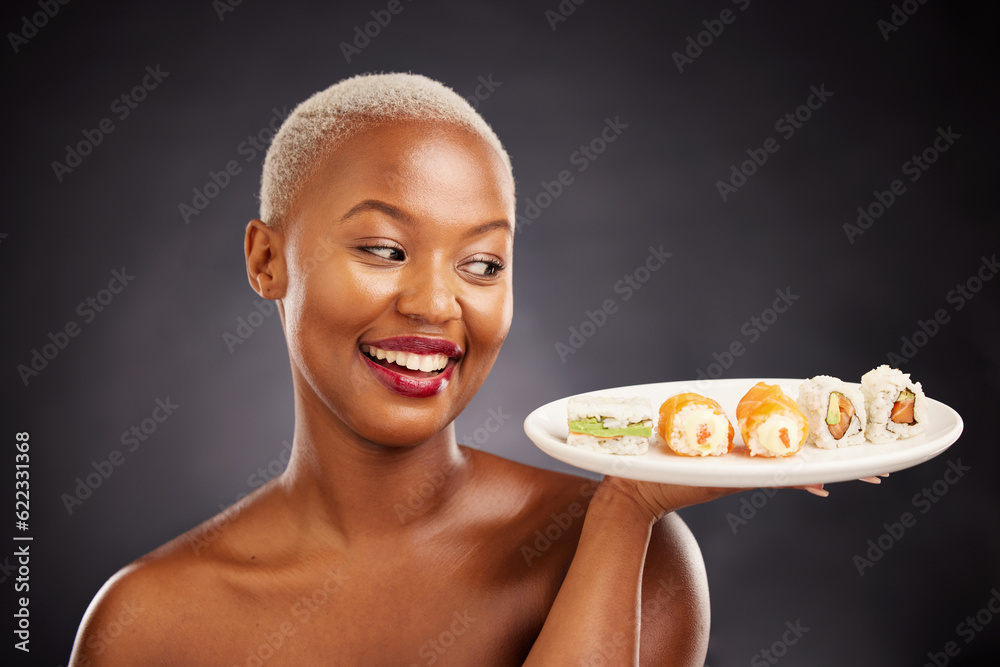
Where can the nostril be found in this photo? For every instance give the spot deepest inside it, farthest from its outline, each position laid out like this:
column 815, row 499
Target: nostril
column 433, row 305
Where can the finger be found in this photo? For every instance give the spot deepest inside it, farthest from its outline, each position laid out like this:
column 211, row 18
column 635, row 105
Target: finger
column 816, row 490
column 871, row 480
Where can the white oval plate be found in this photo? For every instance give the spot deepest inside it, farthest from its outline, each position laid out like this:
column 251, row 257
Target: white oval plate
column 547, row 428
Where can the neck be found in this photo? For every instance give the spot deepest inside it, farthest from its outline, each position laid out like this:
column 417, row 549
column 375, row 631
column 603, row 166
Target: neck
column 338, row 481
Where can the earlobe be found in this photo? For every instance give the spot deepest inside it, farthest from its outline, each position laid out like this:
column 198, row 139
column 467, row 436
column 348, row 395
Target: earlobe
column 263, row 247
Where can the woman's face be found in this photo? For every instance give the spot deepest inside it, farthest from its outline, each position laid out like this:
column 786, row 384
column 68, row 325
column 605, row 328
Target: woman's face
column 399, row 291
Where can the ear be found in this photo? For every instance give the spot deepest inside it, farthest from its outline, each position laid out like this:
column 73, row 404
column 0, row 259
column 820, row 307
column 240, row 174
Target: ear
column 264, row 250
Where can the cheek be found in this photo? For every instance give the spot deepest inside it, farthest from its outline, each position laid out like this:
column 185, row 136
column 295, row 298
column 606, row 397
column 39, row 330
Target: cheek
column 330, row 307
column 488, row 318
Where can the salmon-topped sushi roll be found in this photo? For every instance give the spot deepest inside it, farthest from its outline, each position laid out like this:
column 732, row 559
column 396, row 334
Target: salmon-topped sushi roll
column 694, row 425
column 770, row 421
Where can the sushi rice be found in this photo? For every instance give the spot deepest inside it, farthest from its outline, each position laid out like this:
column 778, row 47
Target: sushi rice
column 882, row 387
column 814, row 402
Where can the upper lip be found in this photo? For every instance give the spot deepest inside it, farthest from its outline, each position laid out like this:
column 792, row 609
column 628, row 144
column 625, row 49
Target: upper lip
column 418, row 345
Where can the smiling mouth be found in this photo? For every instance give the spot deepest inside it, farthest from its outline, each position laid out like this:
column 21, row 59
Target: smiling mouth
column 411, row 364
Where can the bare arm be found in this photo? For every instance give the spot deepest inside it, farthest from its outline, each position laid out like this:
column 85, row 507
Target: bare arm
column 598, row 614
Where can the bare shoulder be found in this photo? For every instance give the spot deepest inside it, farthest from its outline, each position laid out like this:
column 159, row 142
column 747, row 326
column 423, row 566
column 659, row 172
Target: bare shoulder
column 140, row 614
column 539, row 489
column 129, row 618
column 537, row 515
column 675, row 600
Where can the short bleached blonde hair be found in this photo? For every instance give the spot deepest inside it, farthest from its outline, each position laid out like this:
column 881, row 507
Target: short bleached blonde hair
column 328, row 117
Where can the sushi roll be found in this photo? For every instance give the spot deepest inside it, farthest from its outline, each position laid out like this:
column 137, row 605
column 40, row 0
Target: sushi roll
column 835, row 410
column 770, row 422
column 897, row 407
column 610, row 425
column 693, row 425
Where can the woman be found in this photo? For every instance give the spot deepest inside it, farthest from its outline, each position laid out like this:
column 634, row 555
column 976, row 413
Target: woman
column 386, row 239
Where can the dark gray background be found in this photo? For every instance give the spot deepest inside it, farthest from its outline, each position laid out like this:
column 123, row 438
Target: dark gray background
column 656, row 184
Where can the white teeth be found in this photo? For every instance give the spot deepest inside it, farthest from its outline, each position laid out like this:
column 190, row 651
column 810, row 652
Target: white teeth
column 415, row 362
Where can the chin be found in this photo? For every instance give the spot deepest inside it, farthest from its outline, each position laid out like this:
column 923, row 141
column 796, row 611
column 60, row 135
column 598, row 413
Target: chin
column 403, row 434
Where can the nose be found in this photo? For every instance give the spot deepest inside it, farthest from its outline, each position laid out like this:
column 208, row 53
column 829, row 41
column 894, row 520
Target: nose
column 429, row 293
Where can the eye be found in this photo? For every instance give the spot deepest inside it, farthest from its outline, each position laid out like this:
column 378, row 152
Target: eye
column 389, row 252
column 484, row 266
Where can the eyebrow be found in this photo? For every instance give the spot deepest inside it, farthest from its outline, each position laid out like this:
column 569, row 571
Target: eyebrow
column 381, row 207
column 503, row 224
column 403, row 217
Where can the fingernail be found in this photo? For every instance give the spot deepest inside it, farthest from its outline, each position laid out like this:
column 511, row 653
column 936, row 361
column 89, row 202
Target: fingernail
column 871, row 480
column 884, row 475
column 822, row 493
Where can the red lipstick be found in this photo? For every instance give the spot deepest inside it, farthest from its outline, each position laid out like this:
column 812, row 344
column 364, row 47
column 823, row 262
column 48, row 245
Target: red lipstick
column 409, row 383
column 418, row 345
